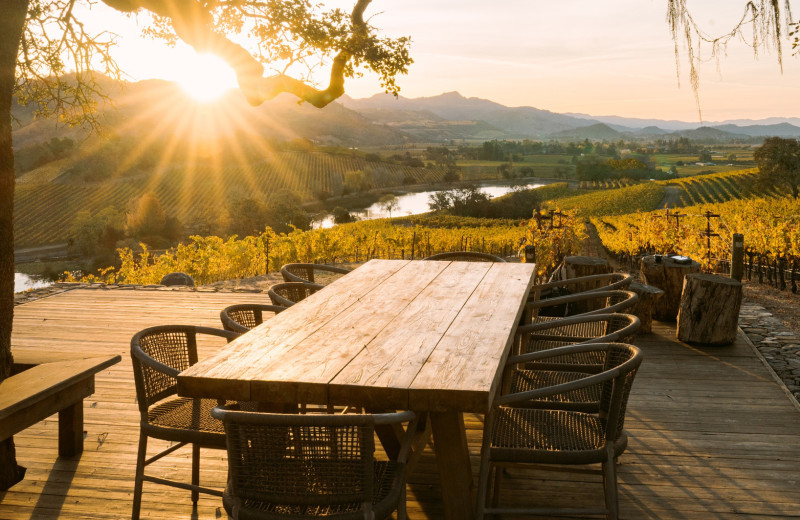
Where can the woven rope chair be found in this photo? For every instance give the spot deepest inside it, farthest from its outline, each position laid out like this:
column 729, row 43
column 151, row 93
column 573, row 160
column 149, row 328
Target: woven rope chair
column 517, row 435
column 288, row 293
column 158, row 355
column 287, row 466
column 465, row 256
column 596, row 282
column 525, row 372
column 581, row 304
column 305, row 272
column 242, row 317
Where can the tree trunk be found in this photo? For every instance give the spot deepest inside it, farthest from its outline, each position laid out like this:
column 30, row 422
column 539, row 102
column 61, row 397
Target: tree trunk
column 12, row 22
column 667, row 275
column 709, row 310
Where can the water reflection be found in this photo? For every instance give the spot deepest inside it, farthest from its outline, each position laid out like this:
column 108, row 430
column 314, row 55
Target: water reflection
column 23, row 282
column 414, row 204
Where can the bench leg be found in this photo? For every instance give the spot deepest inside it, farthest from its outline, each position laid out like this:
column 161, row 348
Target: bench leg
column 70, row 430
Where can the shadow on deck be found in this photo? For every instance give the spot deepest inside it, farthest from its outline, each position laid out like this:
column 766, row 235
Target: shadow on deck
column 712, row 435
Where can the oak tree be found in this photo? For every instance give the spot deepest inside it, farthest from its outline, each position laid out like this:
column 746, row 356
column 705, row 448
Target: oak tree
column 778, row 162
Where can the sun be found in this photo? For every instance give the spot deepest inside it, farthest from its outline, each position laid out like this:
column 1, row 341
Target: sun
column 205, row 77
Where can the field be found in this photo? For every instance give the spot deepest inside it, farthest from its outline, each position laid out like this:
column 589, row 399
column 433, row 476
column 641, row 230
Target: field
column 44, row 211
column 719, row 156
column 545, row 166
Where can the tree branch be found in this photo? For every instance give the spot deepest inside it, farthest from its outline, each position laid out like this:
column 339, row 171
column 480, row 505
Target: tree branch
column 193, row 23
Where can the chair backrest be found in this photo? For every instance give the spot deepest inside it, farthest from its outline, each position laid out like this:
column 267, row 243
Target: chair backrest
column 302, row 460
column 305, row 272
column 595, row 282
column 245, row 316
column 159, row 354
column 593, row 328
column 465, row 256
column 288, row 293
column 601, row 302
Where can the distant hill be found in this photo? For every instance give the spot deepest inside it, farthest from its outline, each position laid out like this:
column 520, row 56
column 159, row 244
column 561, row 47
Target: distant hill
column 146, row 111
column 515, row 122
column 709, row 133
column 652, row 131
column 779, row 130
column 599, row 131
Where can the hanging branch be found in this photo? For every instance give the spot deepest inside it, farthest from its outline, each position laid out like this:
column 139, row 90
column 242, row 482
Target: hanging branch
column 764, row 17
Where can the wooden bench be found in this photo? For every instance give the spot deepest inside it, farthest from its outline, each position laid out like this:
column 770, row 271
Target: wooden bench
column 43, row 384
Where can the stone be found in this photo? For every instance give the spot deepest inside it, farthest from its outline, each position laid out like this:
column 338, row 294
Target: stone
column 177, row 279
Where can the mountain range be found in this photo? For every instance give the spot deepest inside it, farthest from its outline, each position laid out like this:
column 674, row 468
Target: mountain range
column 157, row 110
column 528, row 122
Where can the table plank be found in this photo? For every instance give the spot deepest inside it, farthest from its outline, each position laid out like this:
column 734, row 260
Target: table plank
column 380, row 374
column 225, row 375
column 463, row 371
column 302, row 372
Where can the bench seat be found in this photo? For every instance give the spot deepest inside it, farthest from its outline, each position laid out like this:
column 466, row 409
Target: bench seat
column 39, row 389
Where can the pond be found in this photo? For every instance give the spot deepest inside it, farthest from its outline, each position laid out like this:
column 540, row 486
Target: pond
column 23, row 282
column 416, row 203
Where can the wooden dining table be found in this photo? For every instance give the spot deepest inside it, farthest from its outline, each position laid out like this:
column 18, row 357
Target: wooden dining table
column 428, row 336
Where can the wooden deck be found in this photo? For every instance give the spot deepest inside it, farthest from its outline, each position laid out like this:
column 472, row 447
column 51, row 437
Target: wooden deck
column 712, row 436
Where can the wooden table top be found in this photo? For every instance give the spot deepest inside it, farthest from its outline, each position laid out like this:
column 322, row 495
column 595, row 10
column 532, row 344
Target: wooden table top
column 395, row 334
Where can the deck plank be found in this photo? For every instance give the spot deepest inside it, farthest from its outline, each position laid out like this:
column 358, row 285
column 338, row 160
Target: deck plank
column 712, row 436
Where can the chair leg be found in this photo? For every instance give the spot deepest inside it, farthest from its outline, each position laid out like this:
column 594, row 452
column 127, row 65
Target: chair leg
column 139, row 478
column 195, row 472
column 610, row 487
column 498, row 481
column 402, row 514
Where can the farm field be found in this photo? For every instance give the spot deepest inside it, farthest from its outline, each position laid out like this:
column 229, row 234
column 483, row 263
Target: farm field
column 44, row 211
column 545, row 165
column 744, row 159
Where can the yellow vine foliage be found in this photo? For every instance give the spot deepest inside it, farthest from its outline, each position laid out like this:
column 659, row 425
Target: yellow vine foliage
column 209, row 259
column 554, row 240
column 771, row 227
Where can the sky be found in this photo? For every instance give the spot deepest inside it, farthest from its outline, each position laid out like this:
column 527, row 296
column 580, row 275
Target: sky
column 573, row 56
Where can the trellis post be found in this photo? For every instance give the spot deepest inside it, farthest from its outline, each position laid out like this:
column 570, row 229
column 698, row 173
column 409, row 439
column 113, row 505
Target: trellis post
column 737, row 257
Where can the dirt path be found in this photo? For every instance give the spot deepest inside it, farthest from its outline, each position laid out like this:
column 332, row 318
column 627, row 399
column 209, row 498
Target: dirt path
column 672, row 197
column 592, row 246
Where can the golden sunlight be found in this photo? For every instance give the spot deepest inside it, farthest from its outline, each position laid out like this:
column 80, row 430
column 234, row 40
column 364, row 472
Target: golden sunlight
column 205, row 77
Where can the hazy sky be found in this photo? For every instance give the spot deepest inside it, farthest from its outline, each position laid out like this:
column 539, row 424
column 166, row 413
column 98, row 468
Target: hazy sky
column 598, row 58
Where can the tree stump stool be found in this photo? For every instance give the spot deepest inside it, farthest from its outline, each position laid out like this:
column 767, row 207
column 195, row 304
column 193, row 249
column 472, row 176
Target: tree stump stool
column 577, row 266
column 667, row 275
column 709, row 309
column 643, row 309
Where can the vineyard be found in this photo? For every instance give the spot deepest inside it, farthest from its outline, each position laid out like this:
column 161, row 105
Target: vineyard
column 640, row 197
column 717, row 187
column 44, row 211
column 771, row 228
column 210, row 259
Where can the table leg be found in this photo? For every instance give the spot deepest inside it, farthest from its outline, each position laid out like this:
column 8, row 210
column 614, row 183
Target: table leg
column 452, row 458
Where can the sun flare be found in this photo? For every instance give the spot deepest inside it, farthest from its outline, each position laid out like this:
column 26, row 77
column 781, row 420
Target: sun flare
column 205, row 77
